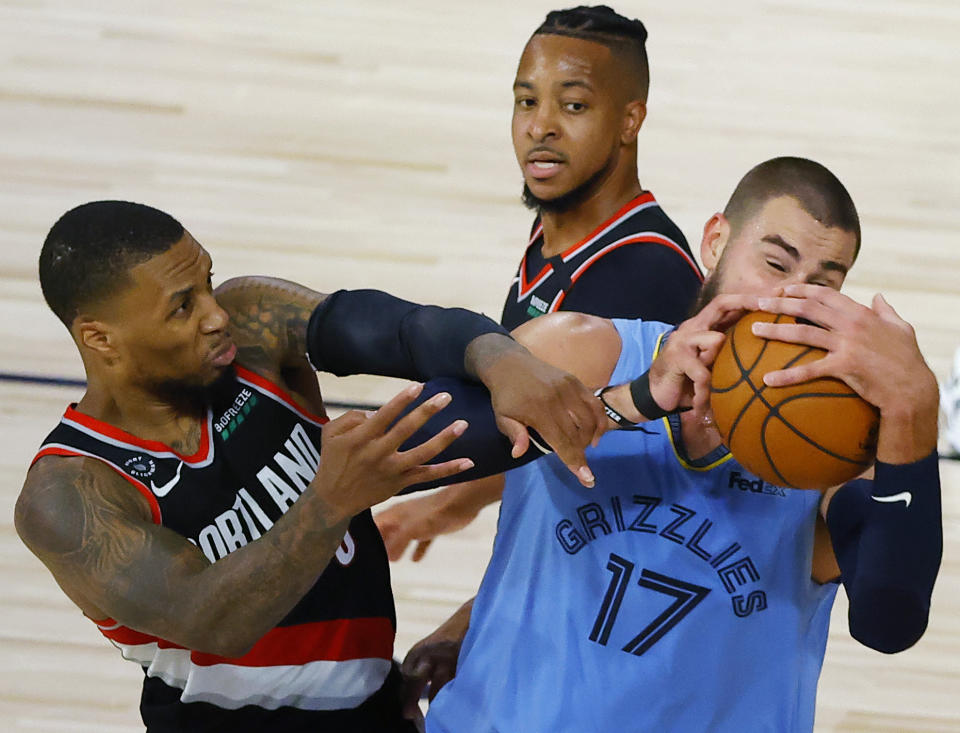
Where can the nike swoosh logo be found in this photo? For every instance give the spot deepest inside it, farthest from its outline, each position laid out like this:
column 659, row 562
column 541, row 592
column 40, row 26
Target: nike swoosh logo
column 162, row 491
column 905, row 496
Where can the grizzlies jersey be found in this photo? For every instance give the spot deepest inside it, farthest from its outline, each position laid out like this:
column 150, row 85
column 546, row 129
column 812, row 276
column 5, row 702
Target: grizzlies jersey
column 333, row 651
column 636, row 264
column 673, row 596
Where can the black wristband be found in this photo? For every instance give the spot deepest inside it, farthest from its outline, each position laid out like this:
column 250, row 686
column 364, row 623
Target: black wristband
column 611, row 412
column 643, row 399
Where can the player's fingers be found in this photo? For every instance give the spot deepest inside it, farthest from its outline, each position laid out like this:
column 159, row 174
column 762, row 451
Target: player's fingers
column 443, row 672
column 796, row 333
column 798, row 374
column 345, row 423
column 382, row 419
column 394, row 540
column 886, row 311
column 436, row 472
column 432, row 447
column 407, row 425
column 724, row 309
column 516, row 433
column 416, row 675
column 421, row 549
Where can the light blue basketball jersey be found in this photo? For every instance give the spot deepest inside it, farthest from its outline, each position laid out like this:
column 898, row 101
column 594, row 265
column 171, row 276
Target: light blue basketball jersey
column 674, row 596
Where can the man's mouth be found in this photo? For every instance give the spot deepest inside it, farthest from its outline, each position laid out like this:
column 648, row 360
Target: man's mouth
column 543, row 164
column 224, row 355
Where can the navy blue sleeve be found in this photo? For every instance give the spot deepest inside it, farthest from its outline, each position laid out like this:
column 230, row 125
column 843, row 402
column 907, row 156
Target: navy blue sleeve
column 887, row 536
column 646, row 280
column 482, row 442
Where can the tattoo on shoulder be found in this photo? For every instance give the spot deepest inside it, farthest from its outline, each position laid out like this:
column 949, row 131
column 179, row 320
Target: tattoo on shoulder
column 76, row 514
column 268, row 319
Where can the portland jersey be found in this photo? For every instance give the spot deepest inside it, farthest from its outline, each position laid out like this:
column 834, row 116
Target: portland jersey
column 258, row 451
column 676, row 595
column 636, row 264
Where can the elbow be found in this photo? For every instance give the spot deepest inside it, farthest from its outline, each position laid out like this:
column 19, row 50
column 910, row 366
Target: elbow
column 888, row 620
column 230, row 644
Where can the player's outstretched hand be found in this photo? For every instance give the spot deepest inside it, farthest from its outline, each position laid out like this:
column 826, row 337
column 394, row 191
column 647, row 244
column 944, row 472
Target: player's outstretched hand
column 362, row 462
column 526, row 392
column 425, row 517
column 432, row 661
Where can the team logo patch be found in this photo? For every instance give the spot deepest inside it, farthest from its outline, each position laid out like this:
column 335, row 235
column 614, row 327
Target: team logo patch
column 140, row 467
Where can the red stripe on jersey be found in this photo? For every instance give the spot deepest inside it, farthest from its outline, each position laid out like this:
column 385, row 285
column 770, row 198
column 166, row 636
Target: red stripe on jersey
column 337, row 641
column 643, row 239
column 109, row 431
column 644, row 198
column 526, row 287
column 278, row 392
column 155, row 513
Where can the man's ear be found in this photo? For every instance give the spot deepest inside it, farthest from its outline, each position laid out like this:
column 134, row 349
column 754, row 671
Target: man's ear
column 633, row 116
column 95, row 336
column 716, row 234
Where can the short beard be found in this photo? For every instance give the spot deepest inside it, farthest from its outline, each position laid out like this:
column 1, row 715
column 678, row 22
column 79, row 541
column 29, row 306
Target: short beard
column 709, row 290
column 187, row 396
column 571, row 199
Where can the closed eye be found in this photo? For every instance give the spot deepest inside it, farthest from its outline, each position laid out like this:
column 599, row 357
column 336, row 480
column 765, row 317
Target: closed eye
column 776, row 266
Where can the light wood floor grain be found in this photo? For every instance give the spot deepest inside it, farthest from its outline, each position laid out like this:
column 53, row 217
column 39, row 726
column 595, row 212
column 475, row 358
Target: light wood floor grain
column 366, row 143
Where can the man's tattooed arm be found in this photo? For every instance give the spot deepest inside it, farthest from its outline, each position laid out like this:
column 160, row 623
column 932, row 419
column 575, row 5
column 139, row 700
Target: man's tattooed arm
column 268, row 321
column 93, row 532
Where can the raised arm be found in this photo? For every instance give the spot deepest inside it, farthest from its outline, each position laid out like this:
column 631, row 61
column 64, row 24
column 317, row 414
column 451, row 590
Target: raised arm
column 94, row 533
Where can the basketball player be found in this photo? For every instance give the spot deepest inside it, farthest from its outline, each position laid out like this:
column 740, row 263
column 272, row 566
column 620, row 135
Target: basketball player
column 683, row 593
column 600, row 243
column 181, row 504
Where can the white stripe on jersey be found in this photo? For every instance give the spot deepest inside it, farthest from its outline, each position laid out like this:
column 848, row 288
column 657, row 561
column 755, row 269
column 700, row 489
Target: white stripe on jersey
column 202, row 463
column 611, row 225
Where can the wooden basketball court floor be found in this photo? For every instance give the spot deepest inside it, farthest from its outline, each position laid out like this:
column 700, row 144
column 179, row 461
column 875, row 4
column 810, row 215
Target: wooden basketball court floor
column 366, row 144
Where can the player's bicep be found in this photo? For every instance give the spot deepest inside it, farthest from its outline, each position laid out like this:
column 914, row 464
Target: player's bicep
column 268, row 320
column 93, row 532
column 586, row 346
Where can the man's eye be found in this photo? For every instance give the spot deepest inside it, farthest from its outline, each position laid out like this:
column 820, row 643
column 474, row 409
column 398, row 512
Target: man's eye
column 575, row 106
column 526, row 102
column 776, row 266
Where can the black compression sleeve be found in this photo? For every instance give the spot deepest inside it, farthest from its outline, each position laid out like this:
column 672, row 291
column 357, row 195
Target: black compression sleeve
column 372, row 332
column 482, row 441
column 887, row 536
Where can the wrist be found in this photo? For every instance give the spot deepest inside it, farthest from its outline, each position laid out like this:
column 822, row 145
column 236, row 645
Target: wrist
column 908, row 424
column 488, row 353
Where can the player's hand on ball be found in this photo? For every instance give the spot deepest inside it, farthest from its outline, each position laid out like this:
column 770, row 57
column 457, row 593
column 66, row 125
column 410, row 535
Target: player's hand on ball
column 362, row 462
column 680, row 375
column 873, row 350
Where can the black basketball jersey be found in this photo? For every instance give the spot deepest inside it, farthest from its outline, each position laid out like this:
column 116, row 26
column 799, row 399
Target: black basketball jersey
column 658, row 251
column 333, row 651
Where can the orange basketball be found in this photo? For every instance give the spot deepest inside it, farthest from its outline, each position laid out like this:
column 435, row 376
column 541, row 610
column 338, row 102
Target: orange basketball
column 809, row 436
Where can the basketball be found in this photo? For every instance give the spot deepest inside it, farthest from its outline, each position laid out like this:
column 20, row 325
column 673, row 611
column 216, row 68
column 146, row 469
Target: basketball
column 809, row 436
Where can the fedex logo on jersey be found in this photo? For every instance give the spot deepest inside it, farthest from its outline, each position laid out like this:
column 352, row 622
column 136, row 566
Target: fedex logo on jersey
column 755, row 486
column 281, row 480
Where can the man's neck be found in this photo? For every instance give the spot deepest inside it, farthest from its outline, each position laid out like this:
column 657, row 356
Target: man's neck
column 699, row 438
column 144, row 415
column 562, row 230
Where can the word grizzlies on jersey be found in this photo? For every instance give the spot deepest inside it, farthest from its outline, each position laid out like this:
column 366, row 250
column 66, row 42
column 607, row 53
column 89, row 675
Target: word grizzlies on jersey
column 672, row 523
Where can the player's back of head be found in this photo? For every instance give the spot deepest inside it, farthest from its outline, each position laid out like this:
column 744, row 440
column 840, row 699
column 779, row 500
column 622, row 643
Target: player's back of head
column 89, row 251
column 599, row 23
column 818, row 191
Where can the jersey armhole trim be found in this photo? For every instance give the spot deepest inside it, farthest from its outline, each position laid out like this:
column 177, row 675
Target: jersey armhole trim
column 155, row 513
